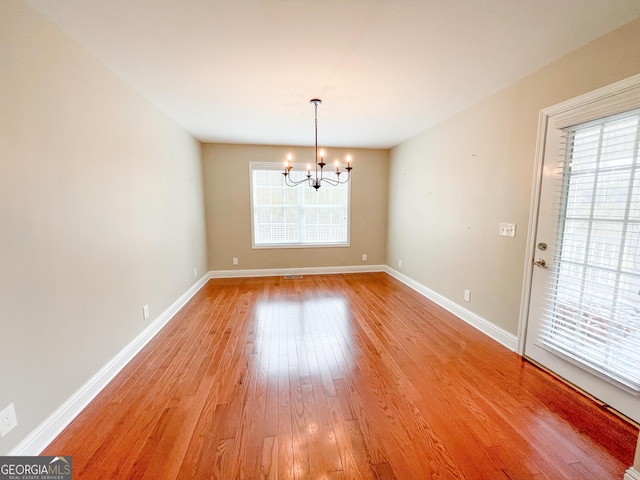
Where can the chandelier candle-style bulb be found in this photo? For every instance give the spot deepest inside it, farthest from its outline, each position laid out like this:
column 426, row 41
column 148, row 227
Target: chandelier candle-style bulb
column 320, row 176
column 287, row 165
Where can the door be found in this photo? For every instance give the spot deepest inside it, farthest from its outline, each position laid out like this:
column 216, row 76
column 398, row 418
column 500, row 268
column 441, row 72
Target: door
column 584, row 308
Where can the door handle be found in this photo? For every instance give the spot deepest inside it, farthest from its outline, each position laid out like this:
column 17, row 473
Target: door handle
column 540, row 263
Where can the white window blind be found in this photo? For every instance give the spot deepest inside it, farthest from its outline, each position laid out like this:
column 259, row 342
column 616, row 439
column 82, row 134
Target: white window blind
column 594, row 296
column 285, row 216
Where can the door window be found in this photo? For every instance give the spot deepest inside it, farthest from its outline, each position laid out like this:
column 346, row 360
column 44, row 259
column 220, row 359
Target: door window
column 594, row 314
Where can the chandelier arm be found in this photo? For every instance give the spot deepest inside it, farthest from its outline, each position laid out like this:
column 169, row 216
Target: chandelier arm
column 346, row 180
column 330, row 181
column 293, row 183
column 348, row 177
column 336, row 181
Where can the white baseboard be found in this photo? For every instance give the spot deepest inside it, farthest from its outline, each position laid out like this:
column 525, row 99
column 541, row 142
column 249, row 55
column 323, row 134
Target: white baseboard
column 631, row 474
column 485, row 326
column 48, row 430
column 275, row 272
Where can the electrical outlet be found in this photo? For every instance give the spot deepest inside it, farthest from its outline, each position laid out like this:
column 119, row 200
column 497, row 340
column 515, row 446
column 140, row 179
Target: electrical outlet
column 235, row 260
column 364, row 257
column 145, row 311
column 467, row 296
column 195, row 272
column 399, row 263
column 8, row 420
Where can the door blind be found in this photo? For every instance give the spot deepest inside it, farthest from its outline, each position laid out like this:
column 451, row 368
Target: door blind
column 593, row 308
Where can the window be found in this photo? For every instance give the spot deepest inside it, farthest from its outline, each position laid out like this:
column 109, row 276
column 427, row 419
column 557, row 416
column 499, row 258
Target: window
column 595, row 317
column 285, row 216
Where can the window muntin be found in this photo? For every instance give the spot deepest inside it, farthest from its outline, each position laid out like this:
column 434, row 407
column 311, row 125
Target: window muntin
column 299, row 216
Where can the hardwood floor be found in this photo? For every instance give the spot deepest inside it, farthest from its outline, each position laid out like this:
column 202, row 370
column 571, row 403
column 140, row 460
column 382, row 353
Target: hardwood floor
column 336, row 377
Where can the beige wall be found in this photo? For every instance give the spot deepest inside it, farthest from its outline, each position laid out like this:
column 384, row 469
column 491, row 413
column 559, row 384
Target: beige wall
column 101, row 212
column 228, row 210
column 451, row 185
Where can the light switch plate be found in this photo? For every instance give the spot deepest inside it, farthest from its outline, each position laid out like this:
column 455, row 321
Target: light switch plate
column 507, row 230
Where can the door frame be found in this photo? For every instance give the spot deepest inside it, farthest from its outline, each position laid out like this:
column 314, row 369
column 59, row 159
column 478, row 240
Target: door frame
column 621, row 96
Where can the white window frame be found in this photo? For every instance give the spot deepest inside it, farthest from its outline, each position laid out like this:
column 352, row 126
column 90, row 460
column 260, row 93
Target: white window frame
column 279, row 168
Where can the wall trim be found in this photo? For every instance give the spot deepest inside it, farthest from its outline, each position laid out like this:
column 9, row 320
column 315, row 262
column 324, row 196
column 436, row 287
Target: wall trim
column 276, row 272
column 485, row 326
column 48, row 430
column 632, row 474
column 527, row 275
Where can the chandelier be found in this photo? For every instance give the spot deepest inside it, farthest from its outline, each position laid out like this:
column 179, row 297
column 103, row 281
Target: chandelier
column 316, row 180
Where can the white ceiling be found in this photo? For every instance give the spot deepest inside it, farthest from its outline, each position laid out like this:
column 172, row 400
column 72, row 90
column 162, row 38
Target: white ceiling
column 243, row 71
